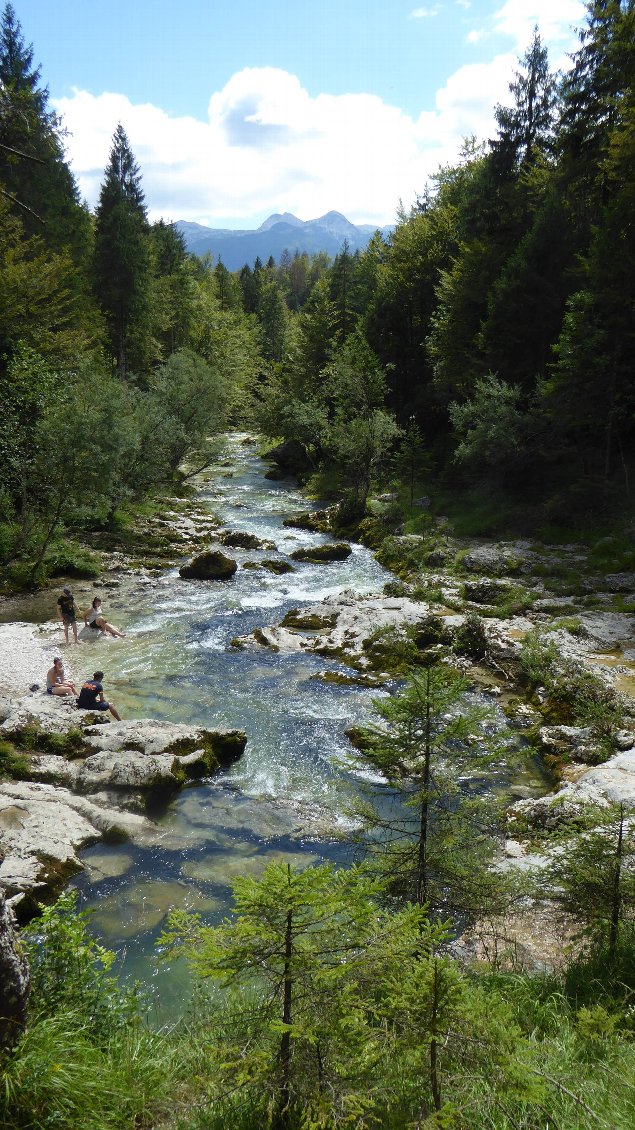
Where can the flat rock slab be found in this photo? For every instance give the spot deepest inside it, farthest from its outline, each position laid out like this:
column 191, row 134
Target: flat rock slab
column 43, row 827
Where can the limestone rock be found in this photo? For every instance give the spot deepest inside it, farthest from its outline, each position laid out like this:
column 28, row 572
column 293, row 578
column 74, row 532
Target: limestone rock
column 14, row 979
column 211, row 565
column 323, row 554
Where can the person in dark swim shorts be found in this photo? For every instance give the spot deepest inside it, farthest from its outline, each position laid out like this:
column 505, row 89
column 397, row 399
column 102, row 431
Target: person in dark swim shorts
column 68, row 611
column 91, row 696
column 56, row 681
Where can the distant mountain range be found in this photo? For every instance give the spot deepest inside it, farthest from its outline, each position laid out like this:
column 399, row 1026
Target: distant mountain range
column 278, row 233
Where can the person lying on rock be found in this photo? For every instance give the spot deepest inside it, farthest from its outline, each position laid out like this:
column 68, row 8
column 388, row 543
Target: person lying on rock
column 56, row 681
column 91, row 696
column 68, row 611
column 94, row 618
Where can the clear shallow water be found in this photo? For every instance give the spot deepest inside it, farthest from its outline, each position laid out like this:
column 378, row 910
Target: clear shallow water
column 177, row 663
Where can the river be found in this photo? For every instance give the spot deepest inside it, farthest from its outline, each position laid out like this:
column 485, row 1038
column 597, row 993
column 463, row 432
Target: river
column 289, row 795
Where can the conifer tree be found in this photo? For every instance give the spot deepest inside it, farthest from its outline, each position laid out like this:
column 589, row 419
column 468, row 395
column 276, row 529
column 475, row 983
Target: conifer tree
column 121, row 264
column 432, row 842
column 35, row 177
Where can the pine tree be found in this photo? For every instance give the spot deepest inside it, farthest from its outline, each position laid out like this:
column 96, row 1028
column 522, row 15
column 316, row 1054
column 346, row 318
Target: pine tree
column 35, row 177
column 121, row 264
column 432, row 842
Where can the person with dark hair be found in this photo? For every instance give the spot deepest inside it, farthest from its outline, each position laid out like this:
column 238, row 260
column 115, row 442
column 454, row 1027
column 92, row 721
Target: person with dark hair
column 56, row 681
column 94, row 618
column 91, row 696
column 67, row 611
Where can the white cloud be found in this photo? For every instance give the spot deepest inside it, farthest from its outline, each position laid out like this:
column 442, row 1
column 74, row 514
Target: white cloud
column 425, row 13
column 475, row 35
column 269, row 146
column 517, row 19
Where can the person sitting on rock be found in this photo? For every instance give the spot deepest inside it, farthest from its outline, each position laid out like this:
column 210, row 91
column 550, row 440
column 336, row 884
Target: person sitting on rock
column 56, row 681
column 91, row 696
column 68, row 611
column 94, row 618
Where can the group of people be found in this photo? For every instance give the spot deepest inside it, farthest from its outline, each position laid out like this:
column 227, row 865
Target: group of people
column 93, row 616
column 91, row 695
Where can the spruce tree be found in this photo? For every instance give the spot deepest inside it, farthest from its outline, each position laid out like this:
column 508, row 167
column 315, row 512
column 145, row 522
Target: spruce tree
column 35, row 177
column 432, row 841
column 121, row 265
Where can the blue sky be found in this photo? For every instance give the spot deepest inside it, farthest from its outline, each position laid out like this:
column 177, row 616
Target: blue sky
column 236, row 110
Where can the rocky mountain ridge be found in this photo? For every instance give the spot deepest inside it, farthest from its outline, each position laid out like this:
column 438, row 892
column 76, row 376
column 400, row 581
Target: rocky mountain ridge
column 278, row 233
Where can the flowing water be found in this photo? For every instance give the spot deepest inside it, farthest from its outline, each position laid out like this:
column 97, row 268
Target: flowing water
column 288, row 796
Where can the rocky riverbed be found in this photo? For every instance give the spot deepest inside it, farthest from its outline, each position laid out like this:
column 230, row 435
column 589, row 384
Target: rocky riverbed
column 78, row 778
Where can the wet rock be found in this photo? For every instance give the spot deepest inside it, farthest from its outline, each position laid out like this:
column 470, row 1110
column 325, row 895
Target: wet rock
column 242, row 539
column 314, row 520
column 212, row 565
column 323, row 554
column 277, row 567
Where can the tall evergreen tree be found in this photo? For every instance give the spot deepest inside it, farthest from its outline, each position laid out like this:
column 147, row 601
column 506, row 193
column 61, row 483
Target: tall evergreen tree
column 34, row 175
column 122, row 257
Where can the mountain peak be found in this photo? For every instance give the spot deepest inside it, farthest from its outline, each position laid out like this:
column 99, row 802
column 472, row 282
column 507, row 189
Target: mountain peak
column 281, row 218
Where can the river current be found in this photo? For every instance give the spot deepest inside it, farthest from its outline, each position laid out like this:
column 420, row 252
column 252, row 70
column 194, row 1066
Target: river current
column 288, row 796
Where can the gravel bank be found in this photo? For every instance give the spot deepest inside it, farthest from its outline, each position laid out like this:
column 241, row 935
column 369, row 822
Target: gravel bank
column 27, row 653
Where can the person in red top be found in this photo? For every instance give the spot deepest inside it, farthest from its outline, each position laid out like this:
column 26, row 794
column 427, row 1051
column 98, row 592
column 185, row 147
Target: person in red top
column 91, row 696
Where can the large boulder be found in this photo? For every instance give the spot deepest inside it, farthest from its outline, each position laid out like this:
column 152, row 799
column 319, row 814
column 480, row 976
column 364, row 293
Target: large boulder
column 290, row 455
column 211, row 565
column 323, row 554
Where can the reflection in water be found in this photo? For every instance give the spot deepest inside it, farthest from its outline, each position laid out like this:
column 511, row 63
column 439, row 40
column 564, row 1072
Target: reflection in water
column 288, row 796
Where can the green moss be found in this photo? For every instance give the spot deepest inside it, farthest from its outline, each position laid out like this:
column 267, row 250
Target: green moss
column 12, row 764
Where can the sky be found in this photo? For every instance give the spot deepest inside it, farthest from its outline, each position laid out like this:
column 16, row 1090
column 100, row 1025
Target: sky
column 236, row 109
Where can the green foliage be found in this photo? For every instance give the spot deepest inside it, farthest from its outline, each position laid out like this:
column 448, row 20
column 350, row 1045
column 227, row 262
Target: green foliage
column 86, row 1059
column 593, row 878
column 433, row 844
column 471, row 638
column 299, row 960
column 575, row 695
column 13, row 765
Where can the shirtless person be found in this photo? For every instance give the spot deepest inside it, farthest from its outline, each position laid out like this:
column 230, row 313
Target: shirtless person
column 91, row 696
column 56, row 681
column 68, row 611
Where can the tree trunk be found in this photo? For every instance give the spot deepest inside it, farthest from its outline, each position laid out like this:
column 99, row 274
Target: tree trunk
column 14, row 980
column 616, row 901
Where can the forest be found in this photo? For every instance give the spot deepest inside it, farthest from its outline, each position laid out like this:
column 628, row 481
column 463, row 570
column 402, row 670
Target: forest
column 482, row 356
column 484, row 349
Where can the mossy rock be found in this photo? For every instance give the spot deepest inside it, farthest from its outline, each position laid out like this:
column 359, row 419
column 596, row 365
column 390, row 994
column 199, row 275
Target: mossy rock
column 361, row 738
column 217, row 748
column 212, row 565
column 308, row 520
column 340, row 679
column 309, row 621
column 323, row 554
column 277, row 567
column 241, row 539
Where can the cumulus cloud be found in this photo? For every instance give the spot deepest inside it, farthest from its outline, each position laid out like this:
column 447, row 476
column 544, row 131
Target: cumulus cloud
column 517, row 19
column 267, row 145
